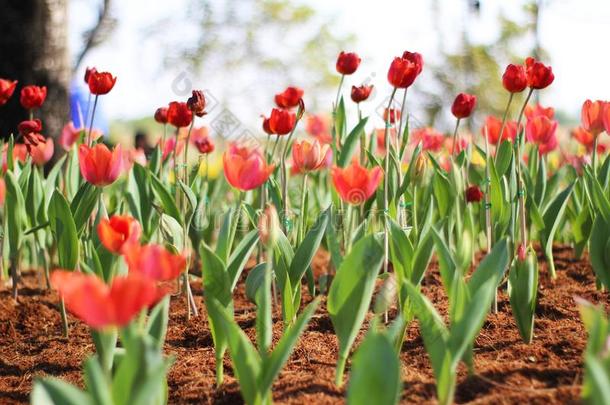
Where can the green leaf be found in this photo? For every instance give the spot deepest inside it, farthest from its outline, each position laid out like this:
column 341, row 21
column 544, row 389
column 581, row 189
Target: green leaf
column 351, row 141
column 375, row 374
column 167, row 201
column 64, row 229
column 492, row 266
column 226, row 235
column 351, row 291
column 14, row 210
column 83, row 205
column 340, row 121
column 216, row 280
column 255, row 280
column 53, row 391
column 307, row 249
column 552, row 217
column 523, row 291
column 239, row 258
column 156, row 326
column 96, row 383
column 599, row 248
column 504, row 157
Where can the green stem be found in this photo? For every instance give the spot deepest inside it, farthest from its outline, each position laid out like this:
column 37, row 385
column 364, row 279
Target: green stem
column 520, row 185
column 455, row 132
column 340, row 370
column 64, row 318
column 89, row 140
column 505, row 116
column 303, row 221
column 386, row 228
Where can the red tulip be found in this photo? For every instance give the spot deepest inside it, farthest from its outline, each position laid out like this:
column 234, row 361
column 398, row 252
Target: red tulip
column 153, row 261
column 514, row 78
column 361, row 93
column 430, row 138
column 493, row 126
column 167, row 147
column 531, row 112
column 7, row 88
column 473, row 194
column 402, row 73
column 29, row 126
column 392, row 114
column 281, row 122
column 245, row 169
column 308, row 156
column 317, row 127
column 592, row 116
column 347, row 63
column 118, row 232
column 355, row 184
column 289, row 98
column 204, row 145
column 539, row 75
column 101, row 306
column 587, row 139
column 463, row 105
column 179, row 114
column 541, row 131
column 100, row 82
column 88, row 72
column 33, row 97
column 98, row 165
column 33, row 139
column 42, row 152
column 2, row 191
column 161, row 115
column 196, row 103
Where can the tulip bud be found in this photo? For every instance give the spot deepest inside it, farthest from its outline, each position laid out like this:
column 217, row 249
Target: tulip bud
column 347, row 63
column 419, row 169
column 521, row 253
column 473, row 194
column 463, row 105
column 386, row 295
column 268, row 226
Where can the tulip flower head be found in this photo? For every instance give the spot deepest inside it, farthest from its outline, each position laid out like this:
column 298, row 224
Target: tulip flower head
column 104, row 306
column 317, row 126
column 592, row 116
column 492, row 127
column 100, row 83
column 538, row 109
column 347, row 63
column 473, row 194
column 269, row 226
column 309, row 156
column 463, row 105
column 391, row 115
column 281, row 122
column 289, row 98
column 431, row 139
column 33, row 97
column 29, row 126
column 514, row 78
column 118, row 232
column 161, row 115
column 196, row 103
column 541, row 131
column 361, row 93
column 587, row 139
column 88, row 72
column 69, row 135
column 7, row 88
column 244, row 168
column 42, row 152
column 539, row 76
column 179, row 114
column 204, row 145
column 402, row 73
column 153, row 261
column 355, row 184
column 98, row 165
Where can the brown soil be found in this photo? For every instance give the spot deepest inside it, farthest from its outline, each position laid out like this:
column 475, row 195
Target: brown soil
column 508, row 371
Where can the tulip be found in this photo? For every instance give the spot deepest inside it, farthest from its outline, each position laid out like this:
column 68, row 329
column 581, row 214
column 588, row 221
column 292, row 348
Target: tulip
column 317, row 127
column 391, row 115
column 269, row 226
column 281, row 122
column 245, row 169
column 458, row 145
column 132, row 156
column 309, row 156
column 153, row 261
column 355, row 184
column 118, row 232
column 514, row 78
column 7, row 88
column 161, row 115
column 100, row 83
column 98, row 165
column 204, row 146
column 463, row 105
column 415, row 58
column 101, row 306
column 69, row 135
column 2, row 191
column 531, row 112
column 539, row 76
column 402, row 73
column 196, row 103
column 361, row 93
column 33, row 139
column 29, row 126
column 473, row 194
column 179, row 114
column 289, row 98
column 541, row 131
column 493, row 127
column 606, row 118
column 587, row 139
column 592, row 116
column 420, row 167
column 33, row 97
column 347, row 63
column 42, row 152
column 430, row 138
column 167, row 147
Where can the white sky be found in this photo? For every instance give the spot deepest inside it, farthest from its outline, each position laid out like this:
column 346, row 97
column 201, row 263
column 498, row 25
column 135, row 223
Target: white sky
column 574, row 32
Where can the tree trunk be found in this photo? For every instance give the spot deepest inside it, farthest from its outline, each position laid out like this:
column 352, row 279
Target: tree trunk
column 34, row 50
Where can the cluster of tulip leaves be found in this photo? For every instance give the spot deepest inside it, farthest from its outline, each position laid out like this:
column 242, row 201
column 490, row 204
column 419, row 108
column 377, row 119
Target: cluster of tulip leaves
column 596, row 381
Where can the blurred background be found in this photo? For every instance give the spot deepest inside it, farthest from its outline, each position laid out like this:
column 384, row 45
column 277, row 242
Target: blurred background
column 242, row 52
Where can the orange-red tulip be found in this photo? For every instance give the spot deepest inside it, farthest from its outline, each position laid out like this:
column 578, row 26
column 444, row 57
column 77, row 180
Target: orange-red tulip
column 244, row 168
column 101, row 306
column 347, row 63
column 541, row 131
column 538, row 109
column 153, row 261
column 33, row 97
column 463, row 105
column 592, row 116
column 42, row 152
column 355, row 184
column 514, row 78
column 100, row 82
column 539, row 75
column 118, row 232
column 431, row 139
column 98, row 165
column 308, row 156
column 7, row 88
column 179, row 114
column 493, row 126
column 289, row 98
column 606, row 118
column 587, row 139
